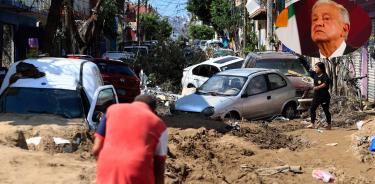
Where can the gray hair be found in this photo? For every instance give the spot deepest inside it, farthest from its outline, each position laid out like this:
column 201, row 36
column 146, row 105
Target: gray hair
column 344, row 12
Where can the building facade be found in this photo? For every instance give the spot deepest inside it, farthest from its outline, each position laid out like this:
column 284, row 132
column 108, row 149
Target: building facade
column 21, row 26
column 20, row 21
column 179, row 27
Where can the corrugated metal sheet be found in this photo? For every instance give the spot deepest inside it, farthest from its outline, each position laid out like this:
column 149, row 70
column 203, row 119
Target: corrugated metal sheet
column 357, row 60
column 371, row 72
column 371, row 78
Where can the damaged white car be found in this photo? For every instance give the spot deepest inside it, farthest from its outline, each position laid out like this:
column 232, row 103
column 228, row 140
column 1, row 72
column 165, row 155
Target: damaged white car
column 242, row 93
column 194, row 76
column 46, row 97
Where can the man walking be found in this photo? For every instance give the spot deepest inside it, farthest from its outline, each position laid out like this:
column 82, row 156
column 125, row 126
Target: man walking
column 131, row 144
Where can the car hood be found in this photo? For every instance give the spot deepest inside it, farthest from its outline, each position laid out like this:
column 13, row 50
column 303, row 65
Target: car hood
column 197, row 103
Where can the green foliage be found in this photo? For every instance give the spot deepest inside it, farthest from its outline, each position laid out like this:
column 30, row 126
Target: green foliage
column 165, row 65
column 165, row 29
column 252, row 43
column 200, row 8
column 201, row 32
column 152, row 27
column 110, row 10
column 262, row 48
column 223, row 16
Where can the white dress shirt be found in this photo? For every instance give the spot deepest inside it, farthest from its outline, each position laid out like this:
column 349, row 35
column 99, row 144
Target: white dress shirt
column 339, row 52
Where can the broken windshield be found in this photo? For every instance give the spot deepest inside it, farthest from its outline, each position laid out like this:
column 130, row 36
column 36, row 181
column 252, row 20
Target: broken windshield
column 66, row 103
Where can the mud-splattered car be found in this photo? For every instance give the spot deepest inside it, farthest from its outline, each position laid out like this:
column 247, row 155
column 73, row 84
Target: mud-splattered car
column 296, row 68
column 251, row 93
column 41, row 96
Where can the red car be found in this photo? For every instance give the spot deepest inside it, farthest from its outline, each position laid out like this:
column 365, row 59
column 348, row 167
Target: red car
column 121, row 76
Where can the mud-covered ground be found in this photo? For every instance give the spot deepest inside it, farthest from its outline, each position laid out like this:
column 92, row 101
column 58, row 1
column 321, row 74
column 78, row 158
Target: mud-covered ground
column 200, row 151
column 215, row 152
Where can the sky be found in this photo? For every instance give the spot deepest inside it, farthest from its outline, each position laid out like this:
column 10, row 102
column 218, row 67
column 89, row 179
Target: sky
column 170, row 7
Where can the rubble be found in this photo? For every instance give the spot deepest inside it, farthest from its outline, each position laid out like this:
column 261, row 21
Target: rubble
column 342, row 177
column 268, row 137
column 361, row 143
column 160, row 95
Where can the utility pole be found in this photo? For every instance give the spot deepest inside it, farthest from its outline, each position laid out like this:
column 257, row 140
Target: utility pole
column 146, row 5
column 124, row 38
column 269, row 22
column 244, row 26
column 138, row 30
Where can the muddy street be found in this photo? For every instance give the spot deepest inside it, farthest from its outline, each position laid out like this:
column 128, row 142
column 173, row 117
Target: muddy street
column 217, row 153
column 205, row 151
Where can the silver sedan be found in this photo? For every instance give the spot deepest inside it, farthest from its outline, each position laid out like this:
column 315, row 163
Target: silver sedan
column 250, row 93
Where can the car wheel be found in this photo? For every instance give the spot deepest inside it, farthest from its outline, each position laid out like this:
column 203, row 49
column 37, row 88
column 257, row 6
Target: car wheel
column 290, row 111
column 233, row 115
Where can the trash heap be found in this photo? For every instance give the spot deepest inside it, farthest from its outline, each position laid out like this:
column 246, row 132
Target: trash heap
column 364, row 141
column 165, row 99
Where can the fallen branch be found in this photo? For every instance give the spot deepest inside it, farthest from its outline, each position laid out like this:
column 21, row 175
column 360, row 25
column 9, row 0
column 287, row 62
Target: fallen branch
column 279, row 169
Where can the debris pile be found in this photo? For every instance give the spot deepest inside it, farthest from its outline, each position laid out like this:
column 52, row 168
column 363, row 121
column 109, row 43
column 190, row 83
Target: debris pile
column 361, row 142
column 342, row 177
column 165, row 99
column 160, row 95
column 268, row 137
column 197, row 155
column 45, row 133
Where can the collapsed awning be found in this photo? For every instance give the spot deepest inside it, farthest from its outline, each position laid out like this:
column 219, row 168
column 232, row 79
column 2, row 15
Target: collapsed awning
column 255, row 11
column 259, row 14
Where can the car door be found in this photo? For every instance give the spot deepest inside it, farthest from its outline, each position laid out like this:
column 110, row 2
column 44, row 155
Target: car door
column 279, row 92
column 255, row 99
column 104, row 97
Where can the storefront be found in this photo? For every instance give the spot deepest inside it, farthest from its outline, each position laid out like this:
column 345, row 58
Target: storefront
column 15, row 31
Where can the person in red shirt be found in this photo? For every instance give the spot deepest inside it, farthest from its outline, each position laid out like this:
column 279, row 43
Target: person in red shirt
column 131, row 144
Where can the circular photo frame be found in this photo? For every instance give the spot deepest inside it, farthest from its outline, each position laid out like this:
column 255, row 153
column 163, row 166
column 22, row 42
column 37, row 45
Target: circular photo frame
column 323, row 28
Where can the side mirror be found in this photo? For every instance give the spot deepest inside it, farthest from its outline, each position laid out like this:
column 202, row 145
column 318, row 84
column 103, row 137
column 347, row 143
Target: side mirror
column 245, row 95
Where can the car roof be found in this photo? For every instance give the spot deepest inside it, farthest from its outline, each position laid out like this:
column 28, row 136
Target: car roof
column 273, row 55
column 109, row 61
column 60, row 73
column 222, row 61
column 244, row 72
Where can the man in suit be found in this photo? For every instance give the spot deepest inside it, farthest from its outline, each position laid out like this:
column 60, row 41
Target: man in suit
column 330, row 25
